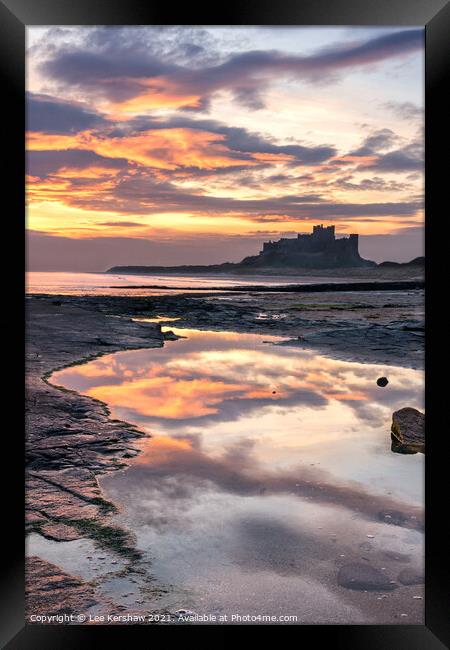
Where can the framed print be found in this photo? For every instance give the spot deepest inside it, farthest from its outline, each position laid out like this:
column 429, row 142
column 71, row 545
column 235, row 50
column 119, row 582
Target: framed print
column 233, row 257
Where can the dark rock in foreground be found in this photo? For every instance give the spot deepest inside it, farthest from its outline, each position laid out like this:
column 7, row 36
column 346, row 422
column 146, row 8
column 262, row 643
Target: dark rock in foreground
column 70, row 441
column 408, row 431
column 363, row 577
column 382, row 381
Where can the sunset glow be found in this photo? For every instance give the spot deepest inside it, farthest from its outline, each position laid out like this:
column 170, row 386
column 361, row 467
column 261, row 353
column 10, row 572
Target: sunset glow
column 156, row 136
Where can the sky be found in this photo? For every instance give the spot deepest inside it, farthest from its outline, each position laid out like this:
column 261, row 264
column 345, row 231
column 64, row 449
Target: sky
column 193, row 145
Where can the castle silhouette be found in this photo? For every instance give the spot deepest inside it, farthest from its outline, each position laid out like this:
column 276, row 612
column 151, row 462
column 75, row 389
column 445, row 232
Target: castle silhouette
column 319, row 249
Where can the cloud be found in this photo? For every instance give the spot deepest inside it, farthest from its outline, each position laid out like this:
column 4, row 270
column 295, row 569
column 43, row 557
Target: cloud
column 406, row 110
column 107, row 64
column 104, row 148
column 49, row 115
column 380, row 156
column 375, row 183
column 46, row 162
column 406, row 159
column 236, row 139
column 121, row 224
column 177, row 460
column 144, row 194
column 231, row 409
column 239, row 139
column 151, row 158
column 377, row 141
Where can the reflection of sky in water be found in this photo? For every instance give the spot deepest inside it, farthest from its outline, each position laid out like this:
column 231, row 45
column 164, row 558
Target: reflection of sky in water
column 263, row 458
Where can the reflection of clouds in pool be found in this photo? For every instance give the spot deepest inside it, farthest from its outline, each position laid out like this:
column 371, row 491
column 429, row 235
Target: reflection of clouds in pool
column 221, row 376
column 214, row 537
column 288, row 406
column 268, row 469
column 178, row 468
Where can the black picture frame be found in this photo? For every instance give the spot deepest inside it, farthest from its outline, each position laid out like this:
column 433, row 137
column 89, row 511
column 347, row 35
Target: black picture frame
column 434, row 15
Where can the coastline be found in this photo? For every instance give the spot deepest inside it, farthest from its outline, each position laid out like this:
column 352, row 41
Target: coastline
column 300, row 288
column 386, row 271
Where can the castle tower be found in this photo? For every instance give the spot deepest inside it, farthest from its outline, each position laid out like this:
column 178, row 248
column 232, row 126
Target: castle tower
column 353, row 243
column 321, row 234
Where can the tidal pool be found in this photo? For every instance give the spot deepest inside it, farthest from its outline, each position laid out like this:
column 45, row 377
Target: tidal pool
column 268, row 468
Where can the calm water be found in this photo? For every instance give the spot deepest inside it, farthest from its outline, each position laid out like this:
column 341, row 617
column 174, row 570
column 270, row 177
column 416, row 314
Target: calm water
column 101, row 283
column 267, row 469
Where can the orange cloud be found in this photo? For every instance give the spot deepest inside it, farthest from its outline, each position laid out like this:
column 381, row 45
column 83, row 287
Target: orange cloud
column 162, row 450
column 155, row 94
column 162, row 149
column 342, row 397
column 168, row 398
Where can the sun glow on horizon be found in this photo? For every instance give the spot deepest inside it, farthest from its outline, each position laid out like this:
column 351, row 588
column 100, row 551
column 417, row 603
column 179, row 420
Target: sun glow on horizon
column 222, row 140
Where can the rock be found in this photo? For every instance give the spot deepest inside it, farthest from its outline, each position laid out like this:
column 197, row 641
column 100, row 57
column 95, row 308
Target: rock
column 411, row 577
column 363, row 577
column 59, row 532
column 408, row 431
column 382, row 381
column 184, row 612
column 398, row 448
column 67, row 438
column 170, row 336
column 50, row 590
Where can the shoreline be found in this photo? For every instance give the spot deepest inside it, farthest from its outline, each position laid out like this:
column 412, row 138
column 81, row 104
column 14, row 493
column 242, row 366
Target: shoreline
column 367, row 326
column 297, row 288
column 389, row 271
column 71, row 441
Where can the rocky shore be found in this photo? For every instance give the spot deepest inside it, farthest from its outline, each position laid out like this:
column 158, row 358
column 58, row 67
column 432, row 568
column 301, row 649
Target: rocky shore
column 71, row 440
column 364, row 326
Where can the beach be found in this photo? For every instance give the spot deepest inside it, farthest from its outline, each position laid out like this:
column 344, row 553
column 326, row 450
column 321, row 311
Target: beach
column 83, row 451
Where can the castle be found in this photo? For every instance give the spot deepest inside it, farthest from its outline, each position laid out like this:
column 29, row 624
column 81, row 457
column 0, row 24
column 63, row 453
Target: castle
column 320, row 249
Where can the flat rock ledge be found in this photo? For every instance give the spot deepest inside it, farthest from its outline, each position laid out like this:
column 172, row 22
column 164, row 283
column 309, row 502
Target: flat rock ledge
column 408, row 431
column 52, row 592
column 70, row 438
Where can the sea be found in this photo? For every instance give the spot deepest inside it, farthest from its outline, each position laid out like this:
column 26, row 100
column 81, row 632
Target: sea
column 52, row 282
